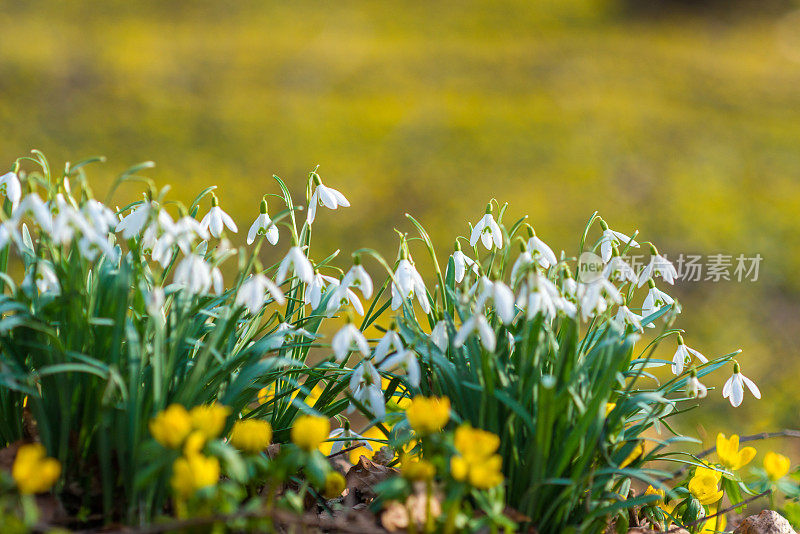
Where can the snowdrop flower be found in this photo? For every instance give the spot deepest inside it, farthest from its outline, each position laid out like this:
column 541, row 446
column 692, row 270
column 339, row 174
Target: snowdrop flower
column 11, row 188
column 626, row 317
column 523, row 262
column 182, row 234
column 9, row 234
column 733, row 389
column 477, row 323
column 217, row 281
column 358, row 277
column 365, row 384
column 407, row 284
column 502, row 297
column 324, row 196
column 342, row 296
column 287, row 332
column 539, row 295
column 694, row 387
column 34, row 205
column 461, row 262
column 596, row 296
column 316, row 287
column 658, row 266
column 99, row 215
column 611, row 238
column 297, row 260
column 253, row 293
column 655, row 300
column 405, row 360
column 347, row 438
column 439, row 335
column 263, row 225
column 487, row 230
column 540, row 251
column 44, row 277
column 388, row 344
column 134, row 222
column 194, row 274
column 619, row 270
column 216, row 219
column 684, row 355
column 348, row 339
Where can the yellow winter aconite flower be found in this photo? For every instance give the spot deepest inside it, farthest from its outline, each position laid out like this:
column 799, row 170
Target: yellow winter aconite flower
column 171, row 426
column 708, row 470
column 706, row 488
column 309, row 431
column 477, row 462
column 209, row 419
column 427, row 415
column 715, row 525
column 652, row 491
column 194, row 472
column 33, row 471
column 610, row 407
column 251, row 435
column 334, row 485
column 729, row 454
column 474, row 443
column 776, row 465
column 416, row 469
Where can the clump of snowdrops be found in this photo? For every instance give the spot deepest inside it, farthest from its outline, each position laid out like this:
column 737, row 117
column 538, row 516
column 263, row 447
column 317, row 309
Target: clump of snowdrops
column 113, row 317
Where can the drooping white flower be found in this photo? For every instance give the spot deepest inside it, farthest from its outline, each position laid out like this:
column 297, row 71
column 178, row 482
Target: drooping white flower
column 11, row 188
column 358, row 277
column 263, row 225
column 461, row 262
column 9, row 234
column 405, row 360
column 626, row 317
column 389, row 343
column 611, row 238
column 522, row 263
column 44, row 277
column 348, row 339
column 342, row 295
column 694, row 387
column 596, row 296
column 733, row 390
column 538, row 295
column 194, row 274
column 658, row 266
column 252, row 293
column 655, row 300
column 286, row 332
column 315, row 289
column 407, row 284
column 154, row 302
column 297, row 260
column 134, row 222
column 439, row 335
column 365, row 384
column 619, row 270
column 217, row 282
column 487, row 230
column 541, row 252
column 216, row 220
column 477, row 323
column 100, row 216
column 181, row 234
column 502, row 297
column 37, row 208
column 346, row 438
column 324, row 196
column 683, row 355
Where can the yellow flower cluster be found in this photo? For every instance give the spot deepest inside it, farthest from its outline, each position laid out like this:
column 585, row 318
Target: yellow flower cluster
column 309, row 431
column 477, row 462
column 416, row 469
column 251, row 435
column 776, row 465
column 33, row 471
column 705, row 485
column 172, row 426
column 428, row 415
column 729, row 454
column 334, row 485
column 193, row 472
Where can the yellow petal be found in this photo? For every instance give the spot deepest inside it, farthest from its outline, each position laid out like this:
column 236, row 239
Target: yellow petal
column 745, row 455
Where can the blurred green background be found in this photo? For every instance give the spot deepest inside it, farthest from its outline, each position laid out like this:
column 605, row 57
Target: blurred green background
column 683, row 122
